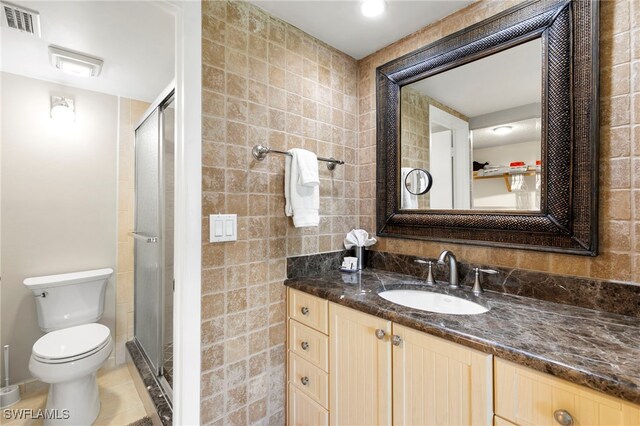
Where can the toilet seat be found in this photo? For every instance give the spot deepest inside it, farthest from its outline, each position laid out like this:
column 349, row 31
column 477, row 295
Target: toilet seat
column 71, row 344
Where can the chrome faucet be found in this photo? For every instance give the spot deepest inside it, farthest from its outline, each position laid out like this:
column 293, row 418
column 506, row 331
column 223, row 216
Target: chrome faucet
column 453, row 267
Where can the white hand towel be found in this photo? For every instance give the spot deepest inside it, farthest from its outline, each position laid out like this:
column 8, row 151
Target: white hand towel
column 307, row 167
column 301, row 201
column 407, row 200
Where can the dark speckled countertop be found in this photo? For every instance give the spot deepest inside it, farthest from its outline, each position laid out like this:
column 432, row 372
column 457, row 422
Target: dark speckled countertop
column 592, row 348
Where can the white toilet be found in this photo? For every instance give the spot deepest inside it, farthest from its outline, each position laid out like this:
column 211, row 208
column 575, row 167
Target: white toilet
column 75, row 346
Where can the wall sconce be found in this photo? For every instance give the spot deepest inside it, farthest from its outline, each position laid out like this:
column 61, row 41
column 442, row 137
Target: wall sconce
column 62, row 109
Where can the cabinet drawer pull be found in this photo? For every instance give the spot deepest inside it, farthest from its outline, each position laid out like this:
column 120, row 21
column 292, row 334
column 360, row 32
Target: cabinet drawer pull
column 563, row 417
column 304, row 310
column 380, row 333
column 305, row 381
column 304, row 346
column 396, row 340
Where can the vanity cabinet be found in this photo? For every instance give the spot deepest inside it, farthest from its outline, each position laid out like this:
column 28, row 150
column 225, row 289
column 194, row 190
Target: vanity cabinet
column 346, row 367
column 378, row 368
column 525, row 397
column 360, row 368
column 307, row 359
column 438, row 382
column 369, row 371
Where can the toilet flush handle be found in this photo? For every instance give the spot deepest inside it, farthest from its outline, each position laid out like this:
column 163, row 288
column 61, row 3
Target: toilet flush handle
column 43, row 294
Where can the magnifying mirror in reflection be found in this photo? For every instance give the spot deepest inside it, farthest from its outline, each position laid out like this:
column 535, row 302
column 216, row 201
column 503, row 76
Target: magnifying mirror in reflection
column 416, row 182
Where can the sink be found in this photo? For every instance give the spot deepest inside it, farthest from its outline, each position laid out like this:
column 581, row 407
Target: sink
column 433, row 302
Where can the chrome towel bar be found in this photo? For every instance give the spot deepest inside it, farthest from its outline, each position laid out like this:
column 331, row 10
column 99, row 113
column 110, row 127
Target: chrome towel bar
column 260, row 152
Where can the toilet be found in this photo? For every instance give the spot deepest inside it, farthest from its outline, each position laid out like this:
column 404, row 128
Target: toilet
column 75, row 347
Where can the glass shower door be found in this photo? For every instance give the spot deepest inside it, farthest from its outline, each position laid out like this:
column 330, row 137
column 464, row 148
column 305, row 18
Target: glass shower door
column 148, row 268
column 153, row 258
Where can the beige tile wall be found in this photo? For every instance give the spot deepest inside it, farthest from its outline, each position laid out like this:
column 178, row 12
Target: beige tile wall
column 130, row 112
column 265, row 82
column 619, row 148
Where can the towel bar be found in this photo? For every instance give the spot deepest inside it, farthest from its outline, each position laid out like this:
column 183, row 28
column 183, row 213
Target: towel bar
column 260, row 152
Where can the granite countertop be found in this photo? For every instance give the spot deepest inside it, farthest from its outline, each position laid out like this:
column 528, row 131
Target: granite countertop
column 591, row 348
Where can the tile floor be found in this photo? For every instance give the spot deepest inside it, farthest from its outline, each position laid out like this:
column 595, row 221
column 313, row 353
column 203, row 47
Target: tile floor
column 120, row 403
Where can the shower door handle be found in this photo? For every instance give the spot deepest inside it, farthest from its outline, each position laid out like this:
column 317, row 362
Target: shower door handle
column 142, row 237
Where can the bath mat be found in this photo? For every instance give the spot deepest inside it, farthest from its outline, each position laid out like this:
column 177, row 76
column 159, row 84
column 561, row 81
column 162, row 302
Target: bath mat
column 145, row 421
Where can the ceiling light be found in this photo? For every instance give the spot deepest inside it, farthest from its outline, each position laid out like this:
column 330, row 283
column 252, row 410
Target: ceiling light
column 74, row 63
column 502, row 130
column 372, row 8
column 62, row 109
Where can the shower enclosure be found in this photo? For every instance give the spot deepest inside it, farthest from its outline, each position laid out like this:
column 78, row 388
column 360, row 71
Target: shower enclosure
column 153, row 248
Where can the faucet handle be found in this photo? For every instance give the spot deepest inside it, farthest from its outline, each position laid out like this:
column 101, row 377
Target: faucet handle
column 430, row 280
column 477, row 287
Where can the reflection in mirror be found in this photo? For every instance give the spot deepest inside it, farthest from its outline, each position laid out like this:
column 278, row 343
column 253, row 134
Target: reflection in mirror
column 476, row 129
column 415, row 182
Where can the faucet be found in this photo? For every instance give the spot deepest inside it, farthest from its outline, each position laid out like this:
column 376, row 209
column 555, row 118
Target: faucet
column 453, row 267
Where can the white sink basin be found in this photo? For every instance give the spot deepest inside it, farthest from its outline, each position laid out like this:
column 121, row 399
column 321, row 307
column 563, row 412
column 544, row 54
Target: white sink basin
column 433, row 302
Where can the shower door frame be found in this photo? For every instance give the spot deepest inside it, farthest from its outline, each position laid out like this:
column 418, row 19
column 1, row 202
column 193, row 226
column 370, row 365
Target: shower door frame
column 167, row 96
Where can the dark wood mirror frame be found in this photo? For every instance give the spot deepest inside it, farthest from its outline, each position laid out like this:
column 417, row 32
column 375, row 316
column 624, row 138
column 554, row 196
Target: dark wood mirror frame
column 567, row 221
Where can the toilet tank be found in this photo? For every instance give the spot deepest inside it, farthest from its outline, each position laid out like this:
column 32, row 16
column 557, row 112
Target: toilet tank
column 65, row 300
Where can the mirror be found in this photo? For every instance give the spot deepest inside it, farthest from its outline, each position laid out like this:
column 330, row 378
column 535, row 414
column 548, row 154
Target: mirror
column 477, row 130
column 416, row 182
column 504, row 116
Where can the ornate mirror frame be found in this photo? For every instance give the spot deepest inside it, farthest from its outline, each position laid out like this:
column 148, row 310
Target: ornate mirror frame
column 567, row 221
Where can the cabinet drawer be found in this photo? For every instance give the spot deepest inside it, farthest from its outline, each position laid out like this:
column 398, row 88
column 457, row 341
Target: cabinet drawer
column 303, row 411
column 309, row 344
column 309, row 379
column 309, row 310
column 499, row 421
column 527, row 397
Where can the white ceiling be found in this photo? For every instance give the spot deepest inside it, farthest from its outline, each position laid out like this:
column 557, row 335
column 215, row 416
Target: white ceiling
column 522, row 131
column 341, row 25
column 506, row 80
column 134, row 38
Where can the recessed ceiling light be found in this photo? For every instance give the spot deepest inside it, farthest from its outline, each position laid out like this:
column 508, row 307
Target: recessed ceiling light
column 502, row 130
column 74, row 63
column 372, row 8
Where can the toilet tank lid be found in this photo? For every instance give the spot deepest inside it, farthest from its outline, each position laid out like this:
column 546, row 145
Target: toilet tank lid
column 67, row 279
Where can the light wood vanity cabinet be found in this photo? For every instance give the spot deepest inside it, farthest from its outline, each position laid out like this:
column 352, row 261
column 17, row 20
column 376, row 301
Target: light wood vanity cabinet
column 529, row 398
column 359, row 368
column 436, row 382
column 346, row 367
column 307, row 359
column 381, row 373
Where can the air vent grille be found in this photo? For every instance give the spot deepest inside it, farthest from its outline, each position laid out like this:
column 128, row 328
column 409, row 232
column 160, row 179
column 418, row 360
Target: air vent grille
column 20, row 18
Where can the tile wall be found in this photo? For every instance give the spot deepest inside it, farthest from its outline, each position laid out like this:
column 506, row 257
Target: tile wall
column 619, row 257
column 264, row 82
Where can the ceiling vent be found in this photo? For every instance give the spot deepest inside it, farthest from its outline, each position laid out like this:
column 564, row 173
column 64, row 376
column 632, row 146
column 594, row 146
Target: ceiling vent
column 20, row 18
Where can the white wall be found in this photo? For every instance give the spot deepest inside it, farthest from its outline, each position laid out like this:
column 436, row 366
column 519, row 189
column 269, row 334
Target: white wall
column 492, row 193
column 58, row 200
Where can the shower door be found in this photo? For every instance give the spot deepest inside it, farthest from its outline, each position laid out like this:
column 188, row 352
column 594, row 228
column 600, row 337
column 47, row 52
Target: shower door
column 153, row 236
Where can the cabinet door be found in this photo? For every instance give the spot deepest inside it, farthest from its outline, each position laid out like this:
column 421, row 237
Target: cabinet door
column 359, row 368
column 436, row 382
column 529, row 398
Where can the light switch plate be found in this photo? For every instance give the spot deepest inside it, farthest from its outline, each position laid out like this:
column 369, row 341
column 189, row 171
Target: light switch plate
column 223, row 227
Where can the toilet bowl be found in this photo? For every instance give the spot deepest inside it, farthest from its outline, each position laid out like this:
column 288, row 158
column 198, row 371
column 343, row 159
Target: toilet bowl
column 75, row 346
column 68, row 360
